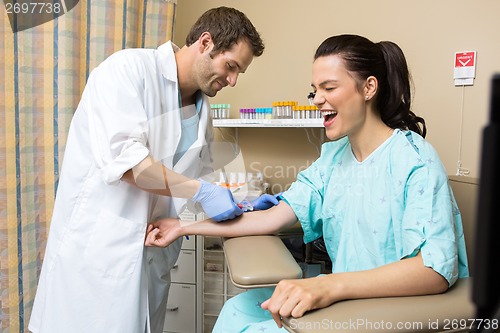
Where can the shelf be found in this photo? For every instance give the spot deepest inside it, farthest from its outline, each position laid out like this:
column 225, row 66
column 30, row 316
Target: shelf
column 213, row 294
column 213, row 251
column 211, row 315
column 213, row 272
column 268, row 122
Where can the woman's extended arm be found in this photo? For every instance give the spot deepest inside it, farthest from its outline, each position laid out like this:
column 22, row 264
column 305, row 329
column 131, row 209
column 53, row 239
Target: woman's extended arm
column 163, row 232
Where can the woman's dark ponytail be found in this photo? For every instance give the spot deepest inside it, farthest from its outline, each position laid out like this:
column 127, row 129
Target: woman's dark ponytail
column 394, row 100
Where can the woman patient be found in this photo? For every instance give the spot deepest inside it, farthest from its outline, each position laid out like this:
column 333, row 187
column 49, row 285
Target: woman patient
column 378, row 194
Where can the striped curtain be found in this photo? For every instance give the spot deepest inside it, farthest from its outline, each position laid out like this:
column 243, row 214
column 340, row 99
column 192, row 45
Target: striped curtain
column 42, row 74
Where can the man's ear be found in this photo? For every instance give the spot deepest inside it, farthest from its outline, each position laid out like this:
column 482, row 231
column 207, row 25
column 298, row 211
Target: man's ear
column 206, row 42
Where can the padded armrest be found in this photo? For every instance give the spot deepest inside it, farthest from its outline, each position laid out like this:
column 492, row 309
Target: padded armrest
column 430, row 313
column 259, row 261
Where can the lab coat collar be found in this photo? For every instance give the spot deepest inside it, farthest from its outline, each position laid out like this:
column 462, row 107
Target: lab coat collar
column 168, row 68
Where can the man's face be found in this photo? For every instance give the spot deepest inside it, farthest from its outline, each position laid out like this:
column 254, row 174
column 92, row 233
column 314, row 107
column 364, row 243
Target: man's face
column 214, row 71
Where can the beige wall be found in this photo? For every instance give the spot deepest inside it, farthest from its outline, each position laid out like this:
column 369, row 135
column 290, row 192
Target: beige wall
column 429, row 32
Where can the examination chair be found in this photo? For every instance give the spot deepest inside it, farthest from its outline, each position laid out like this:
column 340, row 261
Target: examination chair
column 265, row 265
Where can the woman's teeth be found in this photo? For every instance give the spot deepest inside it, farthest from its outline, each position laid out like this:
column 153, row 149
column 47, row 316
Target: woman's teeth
column 328, row 114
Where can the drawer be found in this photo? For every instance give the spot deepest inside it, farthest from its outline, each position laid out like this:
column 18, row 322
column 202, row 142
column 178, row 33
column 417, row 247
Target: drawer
column 181, row 309
column 184, row 270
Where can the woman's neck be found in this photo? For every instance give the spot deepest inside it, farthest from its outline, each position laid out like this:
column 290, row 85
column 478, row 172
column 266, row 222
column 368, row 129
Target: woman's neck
column 369, row 138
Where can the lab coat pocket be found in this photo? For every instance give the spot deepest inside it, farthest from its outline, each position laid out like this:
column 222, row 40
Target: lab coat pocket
column 115, row 245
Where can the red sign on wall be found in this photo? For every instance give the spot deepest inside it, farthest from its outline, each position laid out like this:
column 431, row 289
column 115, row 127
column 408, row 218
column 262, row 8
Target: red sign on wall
column 465, row 59
column 465, row 68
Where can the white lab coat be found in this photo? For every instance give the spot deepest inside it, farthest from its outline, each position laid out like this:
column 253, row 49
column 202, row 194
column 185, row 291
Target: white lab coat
column 96, row 271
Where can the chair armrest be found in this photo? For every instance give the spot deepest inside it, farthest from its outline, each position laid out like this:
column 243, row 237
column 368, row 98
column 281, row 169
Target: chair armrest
column 429, row 313
column 259, row 261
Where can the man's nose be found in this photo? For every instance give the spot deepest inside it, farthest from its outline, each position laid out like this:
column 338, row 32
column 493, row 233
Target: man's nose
column 232, row 78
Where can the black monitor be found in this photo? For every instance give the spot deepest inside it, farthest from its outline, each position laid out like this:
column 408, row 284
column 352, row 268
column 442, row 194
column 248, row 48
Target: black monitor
column 486, row 273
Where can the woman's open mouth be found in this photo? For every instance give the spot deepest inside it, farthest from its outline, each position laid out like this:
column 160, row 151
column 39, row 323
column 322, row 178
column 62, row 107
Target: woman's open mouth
column 328, row 117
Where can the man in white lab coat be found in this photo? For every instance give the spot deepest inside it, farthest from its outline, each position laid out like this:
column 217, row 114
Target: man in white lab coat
column 138, row 143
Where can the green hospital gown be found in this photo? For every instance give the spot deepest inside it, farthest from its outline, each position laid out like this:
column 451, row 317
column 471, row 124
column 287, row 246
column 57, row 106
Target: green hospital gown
column 394, row 204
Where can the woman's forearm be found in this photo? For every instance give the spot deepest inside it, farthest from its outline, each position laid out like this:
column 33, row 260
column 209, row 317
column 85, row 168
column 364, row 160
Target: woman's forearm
column 163, row 232
column 252, row 223
column 405, row 277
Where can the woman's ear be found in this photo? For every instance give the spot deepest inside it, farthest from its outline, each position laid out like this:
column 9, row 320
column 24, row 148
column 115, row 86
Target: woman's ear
column 371, row 87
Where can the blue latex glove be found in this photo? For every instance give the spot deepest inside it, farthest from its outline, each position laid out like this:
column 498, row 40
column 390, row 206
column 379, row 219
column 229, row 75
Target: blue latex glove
column 217, row 202
column 266, row 201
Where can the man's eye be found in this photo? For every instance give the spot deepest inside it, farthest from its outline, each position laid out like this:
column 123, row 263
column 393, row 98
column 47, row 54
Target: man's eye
column 229, row 66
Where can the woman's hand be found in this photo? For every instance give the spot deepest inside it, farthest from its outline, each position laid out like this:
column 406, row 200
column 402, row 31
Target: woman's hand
column 163, row 232
column 296, row 297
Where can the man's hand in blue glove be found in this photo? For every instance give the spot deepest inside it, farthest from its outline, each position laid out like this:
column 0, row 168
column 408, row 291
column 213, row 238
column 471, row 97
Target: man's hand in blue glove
column 217, row 202
column 265, row 201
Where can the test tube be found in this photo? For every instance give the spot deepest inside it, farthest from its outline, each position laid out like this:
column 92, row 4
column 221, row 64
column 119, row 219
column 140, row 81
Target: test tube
column 212, row 110
column 310, row 97
column 223, row 111
column 232, row 180
column 222, row 180
column 269, row 113
column 241, row 179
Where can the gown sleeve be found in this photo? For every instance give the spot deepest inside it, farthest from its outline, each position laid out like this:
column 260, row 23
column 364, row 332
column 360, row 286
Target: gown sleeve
column 431, row 221
column 118, row 122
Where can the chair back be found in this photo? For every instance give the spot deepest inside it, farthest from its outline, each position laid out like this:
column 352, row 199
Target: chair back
column 465, row 190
